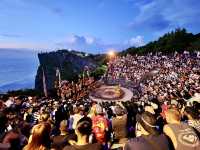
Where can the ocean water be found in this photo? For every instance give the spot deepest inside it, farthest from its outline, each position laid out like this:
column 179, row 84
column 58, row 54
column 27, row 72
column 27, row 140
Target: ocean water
column 18, row 69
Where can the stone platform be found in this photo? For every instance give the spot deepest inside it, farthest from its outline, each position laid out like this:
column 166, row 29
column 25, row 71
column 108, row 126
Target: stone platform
column 106, row 93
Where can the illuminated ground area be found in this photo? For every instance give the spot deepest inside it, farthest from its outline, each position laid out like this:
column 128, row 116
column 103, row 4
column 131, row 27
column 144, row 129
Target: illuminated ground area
column 111, row 93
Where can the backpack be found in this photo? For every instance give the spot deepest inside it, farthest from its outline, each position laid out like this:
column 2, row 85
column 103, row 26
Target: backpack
column 99, row 129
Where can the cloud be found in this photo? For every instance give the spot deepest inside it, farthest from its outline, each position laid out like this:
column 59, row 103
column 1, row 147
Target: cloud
column 87, row 43
column 55, row 8
column 83, row 43
column 43, row 46
column 150, row 17
column 57, row 11
column 71, row 39
column 152, row 22
column 161, row 15
column 101, row 4
column 95, row 45
column 76, row 39
column 136, row 41
column 10, row 35
column 139, row 2
column 89, row 40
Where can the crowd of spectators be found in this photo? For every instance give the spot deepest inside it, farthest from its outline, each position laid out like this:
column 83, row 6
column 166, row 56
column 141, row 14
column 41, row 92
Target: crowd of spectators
column 164, row 116
column 167, row 77
column 76, row 90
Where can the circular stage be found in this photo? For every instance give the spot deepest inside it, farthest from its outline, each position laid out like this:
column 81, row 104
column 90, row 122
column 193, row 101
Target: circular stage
column 107, row 93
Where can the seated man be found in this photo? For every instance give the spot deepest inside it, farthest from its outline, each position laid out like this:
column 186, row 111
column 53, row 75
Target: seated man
column 83, row 131
column 119, row 125
column 60, row 141
column 181, row 134
column 148, row 137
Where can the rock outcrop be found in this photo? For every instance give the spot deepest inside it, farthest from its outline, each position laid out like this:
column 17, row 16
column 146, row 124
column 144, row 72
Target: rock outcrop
column 70, row 64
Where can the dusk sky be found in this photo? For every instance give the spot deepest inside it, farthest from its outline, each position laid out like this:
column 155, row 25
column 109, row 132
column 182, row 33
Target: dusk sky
column 92, row 25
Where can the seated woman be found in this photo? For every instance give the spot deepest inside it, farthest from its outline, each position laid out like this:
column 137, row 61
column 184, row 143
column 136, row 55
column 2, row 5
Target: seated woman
column 83, row 131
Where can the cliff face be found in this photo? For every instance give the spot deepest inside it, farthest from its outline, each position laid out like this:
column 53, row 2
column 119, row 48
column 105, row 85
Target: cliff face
column 70, row 64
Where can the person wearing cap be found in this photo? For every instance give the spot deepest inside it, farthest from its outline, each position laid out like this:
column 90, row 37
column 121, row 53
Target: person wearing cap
column 147, row 136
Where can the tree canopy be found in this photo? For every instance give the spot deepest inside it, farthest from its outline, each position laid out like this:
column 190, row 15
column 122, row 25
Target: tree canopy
column 178, row 40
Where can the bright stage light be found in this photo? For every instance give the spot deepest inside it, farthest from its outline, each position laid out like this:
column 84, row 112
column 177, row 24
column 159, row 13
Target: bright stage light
column 111, row 53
